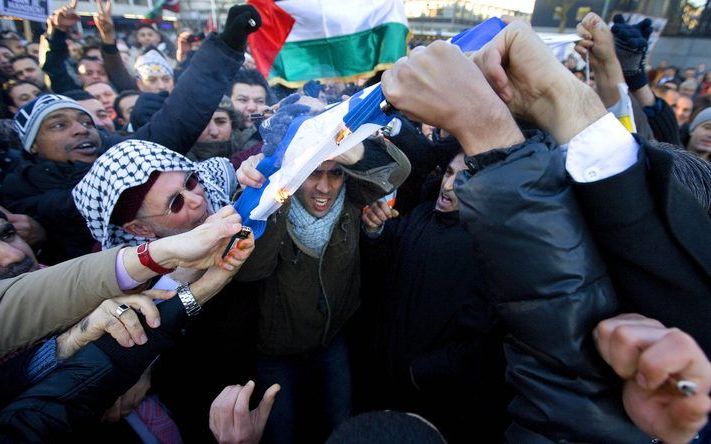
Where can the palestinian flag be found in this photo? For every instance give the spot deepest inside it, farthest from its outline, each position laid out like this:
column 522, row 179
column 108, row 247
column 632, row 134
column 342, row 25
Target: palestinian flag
column 156, row 14
column 302, row 40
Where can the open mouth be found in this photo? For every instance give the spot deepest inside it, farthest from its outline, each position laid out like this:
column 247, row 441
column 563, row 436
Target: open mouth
column 321, row 203
column 445, row 201
column 86, row 148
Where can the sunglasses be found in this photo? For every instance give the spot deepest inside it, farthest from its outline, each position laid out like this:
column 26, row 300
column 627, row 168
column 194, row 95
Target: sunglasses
column 176, row 204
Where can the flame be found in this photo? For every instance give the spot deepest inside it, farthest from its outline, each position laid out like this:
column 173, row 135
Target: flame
column 342, row 134
column 282, row 195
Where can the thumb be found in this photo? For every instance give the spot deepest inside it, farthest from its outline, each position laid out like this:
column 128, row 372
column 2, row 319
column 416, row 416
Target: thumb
column 159, row 294
column 267, row 402
column 223, row 229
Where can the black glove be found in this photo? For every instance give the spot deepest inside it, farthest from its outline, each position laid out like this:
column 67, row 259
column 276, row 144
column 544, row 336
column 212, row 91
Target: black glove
column 241, row 21
column 631, row 49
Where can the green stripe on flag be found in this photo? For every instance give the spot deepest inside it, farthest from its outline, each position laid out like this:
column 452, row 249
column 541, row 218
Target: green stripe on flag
column 342, row 56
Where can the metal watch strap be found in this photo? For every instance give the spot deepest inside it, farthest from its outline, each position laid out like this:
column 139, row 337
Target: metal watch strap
column 192, row 308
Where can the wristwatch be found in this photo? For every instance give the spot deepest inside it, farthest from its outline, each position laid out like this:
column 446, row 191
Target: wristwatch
column 147, row 261
column 192, row 308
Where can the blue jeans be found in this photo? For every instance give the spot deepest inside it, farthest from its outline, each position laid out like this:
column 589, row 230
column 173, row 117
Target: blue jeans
column 323, row 371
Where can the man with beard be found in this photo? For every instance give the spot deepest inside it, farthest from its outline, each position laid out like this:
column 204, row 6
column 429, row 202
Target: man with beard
column 27, row 68
column 61, row 140
column 431, row 326
column 307, row 266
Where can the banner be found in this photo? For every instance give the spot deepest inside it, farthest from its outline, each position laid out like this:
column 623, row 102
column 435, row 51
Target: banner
column 34, row 10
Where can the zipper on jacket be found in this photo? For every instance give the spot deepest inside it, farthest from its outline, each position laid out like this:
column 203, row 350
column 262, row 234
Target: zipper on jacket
column 346, row 217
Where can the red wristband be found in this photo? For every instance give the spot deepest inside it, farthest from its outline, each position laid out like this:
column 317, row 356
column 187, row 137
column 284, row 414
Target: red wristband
column 145, row 257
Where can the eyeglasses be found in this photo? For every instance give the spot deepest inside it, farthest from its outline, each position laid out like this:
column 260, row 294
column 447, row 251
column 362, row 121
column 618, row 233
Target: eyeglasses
column 176, row 204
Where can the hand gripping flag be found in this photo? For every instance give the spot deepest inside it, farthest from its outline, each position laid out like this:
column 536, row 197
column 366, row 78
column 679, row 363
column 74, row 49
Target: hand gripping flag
column 309, row 141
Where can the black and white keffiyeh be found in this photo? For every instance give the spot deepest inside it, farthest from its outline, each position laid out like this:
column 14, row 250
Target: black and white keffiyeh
column 129, row 164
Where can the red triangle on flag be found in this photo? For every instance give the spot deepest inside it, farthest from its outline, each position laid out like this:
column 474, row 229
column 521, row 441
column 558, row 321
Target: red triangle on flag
column 266, row 42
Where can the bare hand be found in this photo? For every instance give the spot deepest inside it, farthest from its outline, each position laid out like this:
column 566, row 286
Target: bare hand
column 183, row 46
column 457, row 98
column 201, row 247
column 535, row 86
column 236, row 257
column 376, row 214
column 125, row 328
column 247, row 173
column 129, row 400
column 104, row 22
column 65, row 17
column 216, row 277
column 598, row 42
column 29, row 229
column 230, row 419
column 650, row 357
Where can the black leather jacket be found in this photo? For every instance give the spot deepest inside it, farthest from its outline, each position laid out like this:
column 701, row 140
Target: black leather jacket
column 550, row 289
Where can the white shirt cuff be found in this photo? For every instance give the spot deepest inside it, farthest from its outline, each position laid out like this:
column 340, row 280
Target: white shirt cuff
column 601, row 150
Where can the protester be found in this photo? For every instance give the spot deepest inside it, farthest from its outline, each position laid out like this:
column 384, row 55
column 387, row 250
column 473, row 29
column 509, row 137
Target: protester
column 541, row 275
column 220, row 138
column 12, row 40
column 72, row 299
column 432, row 329
column 56, row 159
column 129, row 210
column 308, row 263
column 123, row 106
column 202, row 248
column 106, row 94
column 508, row 196
column 19, row 93
column 700, row 135
column 27, row 68
column 153, row 73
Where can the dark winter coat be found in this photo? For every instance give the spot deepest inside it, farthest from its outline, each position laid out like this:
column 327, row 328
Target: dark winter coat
column 42, row 189
column 550, row 289
column 435, row 348
column 306, row 301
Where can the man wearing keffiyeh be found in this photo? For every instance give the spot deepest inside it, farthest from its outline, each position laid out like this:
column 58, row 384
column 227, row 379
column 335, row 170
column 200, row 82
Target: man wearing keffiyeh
column 61, row 140
column 129, row 195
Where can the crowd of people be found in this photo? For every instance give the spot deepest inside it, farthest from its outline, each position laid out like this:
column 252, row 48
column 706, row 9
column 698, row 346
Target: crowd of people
column 521, row 255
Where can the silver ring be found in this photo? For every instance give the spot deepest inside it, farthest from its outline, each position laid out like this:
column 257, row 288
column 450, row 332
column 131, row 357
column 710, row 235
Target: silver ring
column 252, row 23
column 121, row 309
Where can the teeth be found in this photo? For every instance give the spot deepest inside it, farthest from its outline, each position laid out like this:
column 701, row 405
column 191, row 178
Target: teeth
column 321, row 201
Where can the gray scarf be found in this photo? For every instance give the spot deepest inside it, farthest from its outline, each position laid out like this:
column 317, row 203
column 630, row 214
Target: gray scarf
column 311, row 231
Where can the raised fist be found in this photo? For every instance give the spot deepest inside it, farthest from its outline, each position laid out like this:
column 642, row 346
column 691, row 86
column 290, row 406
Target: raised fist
column 242, row 20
